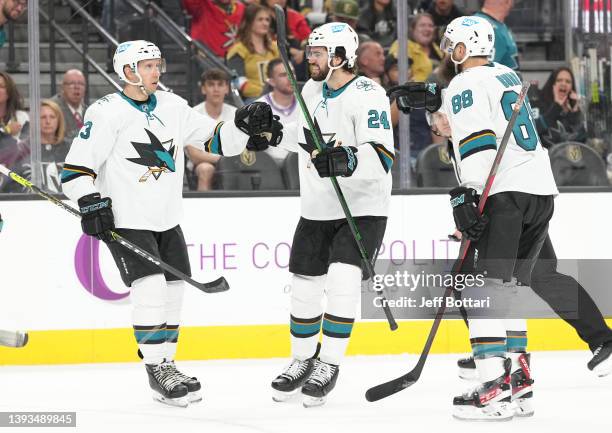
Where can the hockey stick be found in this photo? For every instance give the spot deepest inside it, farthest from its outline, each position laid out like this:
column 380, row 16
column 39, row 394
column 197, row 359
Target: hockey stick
column 218, row 285
column 318, row 140
column 13, row 338
column 386, row 389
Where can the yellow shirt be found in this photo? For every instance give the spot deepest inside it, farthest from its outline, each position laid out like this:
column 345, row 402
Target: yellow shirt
column 255, row 66
column 422, row 64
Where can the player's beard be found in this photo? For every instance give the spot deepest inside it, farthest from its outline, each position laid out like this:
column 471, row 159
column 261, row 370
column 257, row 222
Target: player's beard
column 320, row 75
column 446, row 71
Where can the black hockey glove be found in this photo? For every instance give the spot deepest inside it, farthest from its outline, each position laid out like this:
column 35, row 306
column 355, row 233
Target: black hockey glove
column 336, row 161
column 273, row 138
column 465, row 211
column 97, row 216
column 417, row 95
column 254, row 118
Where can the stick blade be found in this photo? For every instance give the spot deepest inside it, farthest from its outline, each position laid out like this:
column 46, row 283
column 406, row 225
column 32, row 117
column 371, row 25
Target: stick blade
column 386, row 389
column 216, row 286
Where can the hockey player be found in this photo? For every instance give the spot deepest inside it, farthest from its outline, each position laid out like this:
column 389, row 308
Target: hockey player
column 352, row 113
column 125, row 171
column 508, row 237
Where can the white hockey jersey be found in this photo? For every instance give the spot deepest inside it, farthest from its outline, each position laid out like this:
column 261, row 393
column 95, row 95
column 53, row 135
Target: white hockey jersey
column 134, row 155
column 478, row 103
column 357, row 114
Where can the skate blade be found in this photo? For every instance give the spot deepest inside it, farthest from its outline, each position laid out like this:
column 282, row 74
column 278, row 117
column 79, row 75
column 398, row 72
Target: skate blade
column 313, row 401
column 176, row 402
column 499, row 413
column 195, row 397
column 604, row 368
column 281, row 396
column 468, row 374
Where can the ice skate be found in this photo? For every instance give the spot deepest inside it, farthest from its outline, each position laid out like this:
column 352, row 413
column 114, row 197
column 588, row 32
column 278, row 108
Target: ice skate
column 320, row 382
column 601, row 363
column 167, row 388
column 490, row 400
column 192, row 383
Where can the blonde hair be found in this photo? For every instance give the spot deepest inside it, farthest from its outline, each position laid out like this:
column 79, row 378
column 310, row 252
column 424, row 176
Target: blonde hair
column 60, row 132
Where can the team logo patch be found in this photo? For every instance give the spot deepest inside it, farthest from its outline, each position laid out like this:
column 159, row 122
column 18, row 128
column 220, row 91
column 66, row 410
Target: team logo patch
column 364, row 85
column 248, row 158
column 155, row 157
column 338, row 28
column 467, row 22
column 443, row 155
column 574, row 153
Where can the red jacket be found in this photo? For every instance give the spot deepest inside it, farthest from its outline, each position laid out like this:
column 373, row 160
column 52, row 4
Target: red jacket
column 212, row 25
column 297, row 25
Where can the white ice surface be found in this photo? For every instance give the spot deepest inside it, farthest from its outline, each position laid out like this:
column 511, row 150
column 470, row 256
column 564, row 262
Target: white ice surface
column 115, row 398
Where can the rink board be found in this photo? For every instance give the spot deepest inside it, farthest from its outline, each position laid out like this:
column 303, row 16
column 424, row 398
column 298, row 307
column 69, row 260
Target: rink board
column 73, row 302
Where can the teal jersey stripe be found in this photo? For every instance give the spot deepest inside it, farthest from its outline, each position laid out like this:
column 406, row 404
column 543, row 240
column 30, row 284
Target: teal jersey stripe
column 485, row 140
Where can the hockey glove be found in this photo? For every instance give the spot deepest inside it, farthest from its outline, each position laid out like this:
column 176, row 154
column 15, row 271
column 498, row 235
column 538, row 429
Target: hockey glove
column 96, row 216
column 465, row 212
column 254, row 118
column 336, row 161
column 273, row 138
column 417, row 95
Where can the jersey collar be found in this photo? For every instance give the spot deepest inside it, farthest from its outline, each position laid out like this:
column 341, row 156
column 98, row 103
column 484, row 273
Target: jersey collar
column 147, row 107
column 331, row 93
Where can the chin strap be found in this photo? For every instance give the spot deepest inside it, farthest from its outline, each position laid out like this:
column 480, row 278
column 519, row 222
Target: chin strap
column 333, row 68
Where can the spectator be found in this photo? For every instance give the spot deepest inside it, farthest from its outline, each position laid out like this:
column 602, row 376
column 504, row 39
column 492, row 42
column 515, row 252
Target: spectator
column 347, row 11
column 297, row 34
column 72, row 102
column 215, row 22
column 557, row 114
column 371, row 61
column 443, row 12
column 504, row 50
column 283, row 103
column 422, row 49
column 297, row 26
column 54, row 149
column 378, row 21
column 215, row 87
column 12, row 116
column 10, row 10
column 254, row 49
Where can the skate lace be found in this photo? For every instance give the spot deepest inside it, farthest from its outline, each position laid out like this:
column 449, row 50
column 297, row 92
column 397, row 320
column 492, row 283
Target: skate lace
column 596, row 351
column 175, row 371
column 322, row 373
column 296, row 369
column 165, row 375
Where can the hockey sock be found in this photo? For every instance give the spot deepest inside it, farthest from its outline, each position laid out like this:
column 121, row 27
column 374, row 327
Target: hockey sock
column 487, row 337
column 306, row 313
column 516, row 335
column 343, row 288
column 148, row 296
column 174, row 302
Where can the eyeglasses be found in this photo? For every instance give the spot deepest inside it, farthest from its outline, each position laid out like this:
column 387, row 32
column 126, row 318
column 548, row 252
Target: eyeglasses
column 74, row 84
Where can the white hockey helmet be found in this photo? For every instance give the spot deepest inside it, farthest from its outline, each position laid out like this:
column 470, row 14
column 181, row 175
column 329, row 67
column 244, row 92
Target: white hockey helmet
column 476, row 33
column 130, row 53
column 336, row 35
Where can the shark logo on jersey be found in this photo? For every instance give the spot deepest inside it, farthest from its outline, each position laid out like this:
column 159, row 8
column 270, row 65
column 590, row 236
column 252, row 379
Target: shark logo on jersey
column 310, row 145
column 154, row 156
